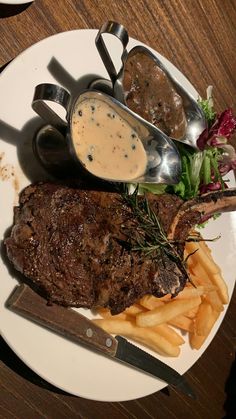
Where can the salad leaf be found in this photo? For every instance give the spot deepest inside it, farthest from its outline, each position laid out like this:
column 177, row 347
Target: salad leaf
column 204, row 223
column 220, row 131
column 207, row 106
column 203, row 170
column 198, row 168
column 157, row 189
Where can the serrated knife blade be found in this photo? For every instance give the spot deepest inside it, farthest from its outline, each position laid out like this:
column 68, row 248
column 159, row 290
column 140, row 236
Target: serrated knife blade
column 132, row 355
column 77, row 328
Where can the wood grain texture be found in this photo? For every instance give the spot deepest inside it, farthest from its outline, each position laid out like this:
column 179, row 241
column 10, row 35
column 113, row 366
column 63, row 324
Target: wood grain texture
column 199, row 37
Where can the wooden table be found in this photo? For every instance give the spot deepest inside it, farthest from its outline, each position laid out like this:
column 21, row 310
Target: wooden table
column 199, row 37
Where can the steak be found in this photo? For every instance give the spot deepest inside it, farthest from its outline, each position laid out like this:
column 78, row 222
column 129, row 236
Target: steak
column 72, row 244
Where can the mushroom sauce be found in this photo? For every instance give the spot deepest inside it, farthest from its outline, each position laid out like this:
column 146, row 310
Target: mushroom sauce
column 150, row 93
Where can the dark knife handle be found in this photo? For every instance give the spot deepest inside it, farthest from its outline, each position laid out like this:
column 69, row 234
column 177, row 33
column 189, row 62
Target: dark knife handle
column 64, row 321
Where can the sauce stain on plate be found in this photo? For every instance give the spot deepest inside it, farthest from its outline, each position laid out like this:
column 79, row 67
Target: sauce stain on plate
column 8, row 173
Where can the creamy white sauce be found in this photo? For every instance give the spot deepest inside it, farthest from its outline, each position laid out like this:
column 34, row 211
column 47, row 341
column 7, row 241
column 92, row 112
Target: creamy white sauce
column 105, row 143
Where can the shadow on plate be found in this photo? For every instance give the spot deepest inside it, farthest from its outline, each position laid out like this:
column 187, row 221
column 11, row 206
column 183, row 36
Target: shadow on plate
column 7, row 10
column 8, row 357
column 11, row 360
column 23, row 138
column 4, row 65
column 35, row 171
column 64, row 79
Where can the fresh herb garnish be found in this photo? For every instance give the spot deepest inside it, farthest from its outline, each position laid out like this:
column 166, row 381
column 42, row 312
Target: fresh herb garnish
column 150, row 237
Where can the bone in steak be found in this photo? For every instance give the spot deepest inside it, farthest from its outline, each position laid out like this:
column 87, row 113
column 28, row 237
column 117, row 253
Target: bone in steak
column 70, row 244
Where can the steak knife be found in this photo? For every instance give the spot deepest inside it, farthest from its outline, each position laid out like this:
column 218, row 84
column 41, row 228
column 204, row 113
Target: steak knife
column 76, row 327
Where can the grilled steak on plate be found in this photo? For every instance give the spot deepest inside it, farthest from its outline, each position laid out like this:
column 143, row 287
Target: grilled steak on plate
column 71, row 244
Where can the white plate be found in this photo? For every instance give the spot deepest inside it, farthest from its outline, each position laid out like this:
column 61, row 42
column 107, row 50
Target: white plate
column 62, row 363
column 16, row 1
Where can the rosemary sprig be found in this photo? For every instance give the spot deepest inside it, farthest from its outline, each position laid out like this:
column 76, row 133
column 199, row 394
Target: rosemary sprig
column 150, row 236
column 201, row 239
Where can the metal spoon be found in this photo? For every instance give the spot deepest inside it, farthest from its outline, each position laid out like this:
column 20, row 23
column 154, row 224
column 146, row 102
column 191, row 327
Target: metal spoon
column 196, row 121
column 163, row 159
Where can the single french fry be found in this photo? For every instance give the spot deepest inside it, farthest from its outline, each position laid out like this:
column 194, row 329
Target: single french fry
column 150, row 302
column 165, row 298
column 199, row 279
column 191, row 314
column 182, row 322
column 205, row 248
column 203, row 319
column 190, row 291
column 134, row 310
column 203, row 258
column 200, row 272
column 170, row 334
column 201, row 276
column 216, row 276
column 148, row 337
column 195, row 281
column 222, row 289
column 166, row 312
column 196, row 341
column 214, row 300
column 106, row 314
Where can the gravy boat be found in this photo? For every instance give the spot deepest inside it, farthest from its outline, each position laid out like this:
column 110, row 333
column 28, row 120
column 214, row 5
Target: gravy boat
column 196, row 122
column 163, row 159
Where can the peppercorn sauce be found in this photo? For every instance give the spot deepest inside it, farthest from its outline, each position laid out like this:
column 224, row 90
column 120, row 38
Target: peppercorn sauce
column 105, row 143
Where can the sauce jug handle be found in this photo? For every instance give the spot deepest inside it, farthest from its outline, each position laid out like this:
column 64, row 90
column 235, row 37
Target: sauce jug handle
column 119, row 31
column 53, row 93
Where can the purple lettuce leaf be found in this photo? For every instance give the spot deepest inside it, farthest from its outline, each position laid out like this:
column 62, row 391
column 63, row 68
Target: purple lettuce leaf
column 221, row 131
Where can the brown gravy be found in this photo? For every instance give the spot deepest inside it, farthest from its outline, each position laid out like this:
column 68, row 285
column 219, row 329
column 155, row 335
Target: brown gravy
column 150, row 94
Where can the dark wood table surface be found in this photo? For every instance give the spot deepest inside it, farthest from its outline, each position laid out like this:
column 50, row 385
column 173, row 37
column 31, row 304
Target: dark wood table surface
column 199, row 37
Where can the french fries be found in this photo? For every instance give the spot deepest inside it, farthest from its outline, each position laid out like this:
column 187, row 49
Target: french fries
column 182, row 322
column 196, row 341
column 170, row 334
column 166, row 312
column 211, row 269
column 191, row 292
column 148, row 337
column 150, row 302
column 159, row 323
column 214, row 300
column 134, row 310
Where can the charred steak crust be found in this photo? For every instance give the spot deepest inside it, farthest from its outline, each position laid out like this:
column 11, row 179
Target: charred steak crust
column 69, row 243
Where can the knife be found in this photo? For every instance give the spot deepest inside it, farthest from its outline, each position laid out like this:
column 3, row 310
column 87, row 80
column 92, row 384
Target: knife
column 76, row 327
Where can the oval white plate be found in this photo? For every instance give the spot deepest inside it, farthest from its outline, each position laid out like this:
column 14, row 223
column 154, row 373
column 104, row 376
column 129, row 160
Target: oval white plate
column 62, row 363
